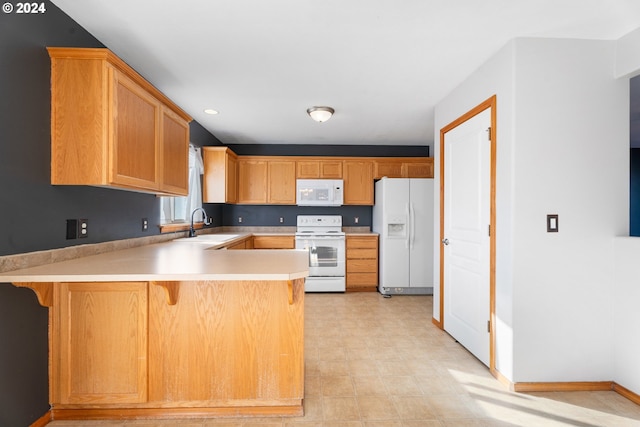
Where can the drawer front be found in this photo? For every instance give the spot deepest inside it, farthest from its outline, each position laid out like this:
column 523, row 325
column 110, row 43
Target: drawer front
column 362, row 279
column 274, row 242
column 362, row 242
column 362, row 266
column 362, row 253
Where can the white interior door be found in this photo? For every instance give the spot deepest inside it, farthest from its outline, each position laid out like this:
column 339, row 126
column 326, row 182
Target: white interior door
column 467, row 209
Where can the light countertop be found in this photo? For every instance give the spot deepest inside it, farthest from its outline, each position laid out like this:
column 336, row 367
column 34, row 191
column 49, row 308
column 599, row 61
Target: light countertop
column 171, row 261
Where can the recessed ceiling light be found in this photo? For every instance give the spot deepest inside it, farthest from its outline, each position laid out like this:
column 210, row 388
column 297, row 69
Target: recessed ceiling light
column 211, row 111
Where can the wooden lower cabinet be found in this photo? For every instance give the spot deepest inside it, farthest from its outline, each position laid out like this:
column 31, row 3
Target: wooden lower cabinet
column 362, row 263
column 274, row 242
column 202, row 348
column 99, row 343
column 244, row 244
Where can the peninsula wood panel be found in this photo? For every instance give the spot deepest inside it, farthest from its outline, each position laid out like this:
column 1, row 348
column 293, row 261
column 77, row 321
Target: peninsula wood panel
column 237, row 343
column 99, row 343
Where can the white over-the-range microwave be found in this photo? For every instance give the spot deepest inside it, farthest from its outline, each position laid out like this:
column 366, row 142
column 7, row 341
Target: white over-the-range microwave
column 319, row 192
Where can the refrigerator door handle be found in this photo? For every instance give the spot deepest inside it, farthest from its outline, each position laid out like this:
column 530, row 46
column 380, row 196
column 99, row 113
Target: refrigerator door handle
column 412, row 218
column 407, row 242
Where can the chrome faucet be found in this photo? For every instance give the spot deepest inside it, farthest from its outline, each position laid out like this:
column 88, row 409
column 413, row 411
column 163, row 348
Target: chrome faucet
column 207, row 221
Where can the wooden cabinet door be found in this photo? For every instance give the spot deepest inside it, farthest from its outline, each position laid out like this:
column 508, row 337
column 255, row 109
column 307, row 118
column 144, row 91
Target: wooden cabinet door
column 310, row 169
column 418, row 169
column 231, row 187
column 174, row 145
column 134, row 153
column 307, row 169
column 99, row 343
column 358, row 182
column 220, row 179
column 282, row 182
column 389, row 168
column 331, row 169
column 252, row 181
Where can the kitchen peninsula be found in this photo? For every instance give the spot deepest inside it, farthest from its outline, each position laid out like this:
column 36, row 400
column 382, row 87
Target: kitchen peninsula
column 173, row 329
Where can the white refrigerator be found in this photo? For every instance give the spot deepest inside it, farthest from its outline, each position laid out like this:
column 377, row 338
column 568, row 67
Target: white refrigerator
column 403, row 217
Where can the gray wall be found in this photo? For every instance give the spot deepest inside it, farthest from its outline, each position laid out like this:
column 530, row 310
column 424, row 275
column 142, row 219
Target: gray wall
column 33, row 213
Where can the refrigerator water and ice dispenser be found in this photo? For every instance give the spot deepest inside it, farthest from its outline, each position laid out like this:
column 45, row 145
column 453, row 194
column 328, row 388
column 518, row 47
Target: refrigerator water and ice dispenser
column 397, row 229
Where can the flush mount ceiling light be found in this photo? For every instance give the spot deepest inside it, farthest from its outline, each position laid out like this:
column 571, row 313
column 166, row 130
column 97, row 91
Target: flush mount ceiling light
column 320, row 114
column 211, row 111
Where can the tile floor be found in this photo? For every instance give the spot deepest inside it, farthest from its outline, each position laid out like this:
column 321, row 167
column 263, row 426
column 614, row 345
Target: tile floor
column 380, row 362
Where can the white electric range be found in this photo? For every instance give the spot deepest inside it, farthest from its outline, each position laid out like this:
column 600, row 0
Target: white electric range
column 323, row 237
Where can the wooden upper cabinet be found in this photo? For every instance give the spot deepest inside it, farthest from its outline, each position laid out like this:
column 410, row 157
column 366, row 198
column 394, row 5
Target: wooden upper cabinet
column 262, row 180
column 327, row 169
column 252, row 181
column 282, row 182
column 358, row 182
column 110, row 127
column 404, row 167
column 220, row 179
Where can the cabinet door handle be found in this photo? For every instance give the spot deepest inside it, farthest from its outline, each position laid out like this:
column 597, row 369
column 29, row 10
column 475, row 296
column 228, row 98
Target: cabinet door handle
column 445, row 241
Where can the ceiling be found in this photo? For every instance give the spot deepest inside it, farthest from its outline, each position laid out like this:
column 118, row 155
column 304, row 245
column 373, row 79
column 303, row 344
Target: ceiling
column 382, row 64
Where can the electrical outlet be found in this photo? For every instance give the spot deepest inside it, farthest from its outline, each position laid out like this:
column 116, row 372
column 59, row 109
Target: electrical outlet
column 240, row 219
column 83, row 228
column 145, row 224
column 356, row 220
column 281, row 220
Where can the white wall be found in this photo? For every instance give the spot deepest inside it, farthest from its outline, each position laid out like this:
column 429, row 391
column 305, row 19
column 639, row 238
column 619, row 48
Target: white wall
column 571, row 159
column 562, row 148
column 627, row 58
column 627, row 268
column 495, row 77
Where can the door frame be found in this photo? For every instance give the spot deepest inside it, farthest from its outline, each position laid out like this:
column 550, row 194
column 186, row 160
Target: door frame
column 488, row 104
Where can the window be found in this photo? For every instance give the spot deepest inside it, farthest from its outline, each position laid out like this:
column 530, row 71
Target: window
column 178, row 209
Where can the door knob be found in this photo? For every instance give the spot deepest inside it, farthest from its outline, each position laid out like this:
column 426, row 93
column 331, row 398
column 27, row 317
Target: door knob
column 445, row 241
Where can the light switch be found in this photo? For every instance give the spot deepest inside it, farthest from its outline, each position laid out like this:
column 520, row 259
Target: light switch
column 552, row 223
